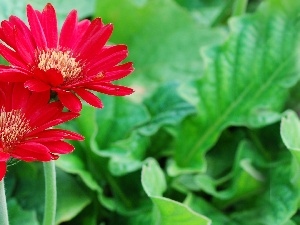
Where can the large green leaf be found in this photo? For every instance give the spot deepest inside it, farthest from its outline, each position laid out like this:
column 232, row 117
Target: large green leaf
column 163, row 39
column 17, row 215
column 71, row 198
column 166, row 211
column 245, row 80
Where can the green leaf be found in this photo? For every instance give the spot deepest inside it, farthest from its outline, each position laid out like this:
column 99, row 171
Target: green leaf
column 153, row 178
column 244, row 180
column 71, row 198
column 245, row 81
column 207, row 12
column 117, row 120
column 166, row 107
column 290, row 222
column 289, row 131
column 163, row 40
column 72, row 164
column 18, row 216
column 166, row 211
column 203, row 207
column 277, row 204
column 127, row 155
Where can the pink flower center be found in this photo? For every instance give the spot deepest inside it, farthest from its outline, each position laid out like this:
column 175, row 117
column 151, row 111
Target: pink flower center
column 13, row 127
column 61, row 61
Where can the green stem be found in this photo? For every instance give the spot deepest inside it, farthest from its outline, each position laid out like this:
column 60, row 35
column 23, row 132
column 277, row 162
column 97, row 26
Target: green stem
column 50, row 193
column 239, row 7
column 3, row 205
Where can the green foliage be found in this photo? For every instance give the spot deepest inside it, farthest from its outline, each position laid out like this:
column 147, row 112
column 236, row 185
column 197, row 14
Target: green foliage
column 166, row 211
column 246, row 79
column 211, row 134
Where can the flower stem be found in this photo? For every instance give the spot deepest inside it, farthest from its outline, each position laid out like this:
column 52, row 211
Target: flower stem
column 239, row 7
column 3, row 205
column 50, row 193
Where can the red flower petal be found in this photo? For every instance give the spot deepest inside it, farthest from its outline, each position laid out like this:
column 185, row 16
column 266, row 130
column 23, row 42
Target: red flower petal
column 109, row 58
column 20, row 96
column 93, row 28
column 20, row 25
column 36, row 85
column 89, row 97
column 97, row 41
column 11, row 56
column 57, row 134
column 31, row 151
column 36, row 101
column 24, row 47
column 70, row 100
column 2, row 170
column 4, row 156
column 45, row 113
column 66, row 34
column 55, row 78
column 36, row 27
column 118, row 72
column 111, row 89
column 51, row 124
column 106, row 52
column 9, row 74
column 49, row 22
column 81, row 28
column 59, row 147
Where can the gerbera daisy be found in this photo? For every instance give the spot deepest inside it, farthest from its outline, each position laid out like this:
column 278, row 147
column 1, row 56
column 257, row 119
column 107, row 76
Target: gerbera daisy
column 26, row 121
column 71, row 64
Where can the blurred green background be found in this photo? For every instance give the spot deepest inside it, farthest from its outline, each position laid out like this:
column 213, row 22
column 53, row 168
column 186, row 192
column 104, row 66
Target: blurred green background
column 200, row 140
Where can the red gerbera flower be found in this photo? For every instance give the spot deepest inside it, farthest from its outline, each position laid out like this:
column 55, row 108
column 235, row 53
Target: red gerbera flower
column 73, row 64
column 25, row 121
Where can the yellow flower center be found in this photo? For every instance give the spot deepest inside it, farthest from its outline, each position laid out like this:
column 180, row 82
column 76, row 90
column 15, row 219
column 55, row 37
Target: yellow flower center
column 13, row 126
column 61, row 61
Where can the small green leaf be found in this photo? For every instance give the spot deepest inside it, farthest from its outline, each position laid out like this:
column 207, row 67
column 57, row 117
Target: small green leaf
column 245, row 80
column 166, row 211
column 290, row 131
column 175, row 213
column 153, row 178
